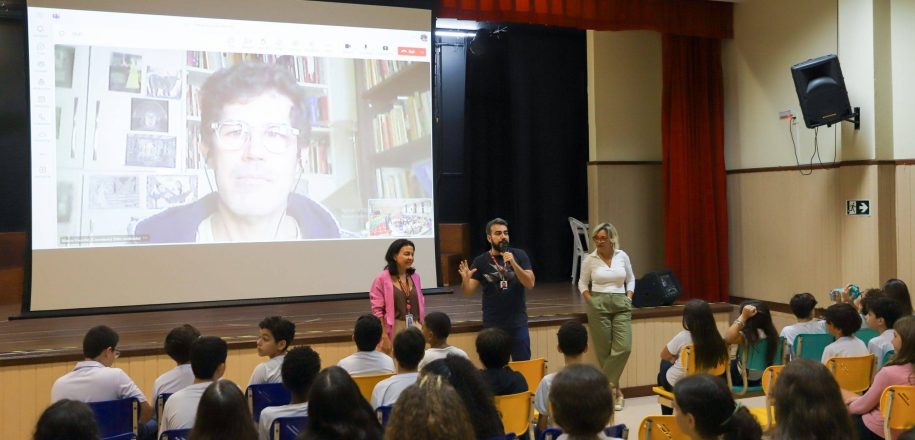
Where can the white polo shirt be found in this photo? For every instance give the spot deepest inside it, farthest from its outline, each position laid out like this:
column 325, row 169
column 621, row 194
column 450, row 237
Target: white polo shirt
column 181, row 408
column 881, row 344
column 270, row 371
column 90, row 381
column 173, row 380
column 846, row 346
column 271, row 413
column 363, row 363
column 434, row 354
column 388, row 390
column 542, row 396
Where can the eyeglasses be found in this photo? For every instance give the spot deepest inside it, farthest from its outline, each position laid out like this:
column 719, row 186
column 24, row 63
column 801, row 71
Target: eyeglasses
column 235, row 135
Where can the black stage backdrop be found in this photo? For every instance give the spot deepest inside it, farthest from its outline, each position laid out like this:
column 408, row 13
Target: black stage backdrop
column 526, row 140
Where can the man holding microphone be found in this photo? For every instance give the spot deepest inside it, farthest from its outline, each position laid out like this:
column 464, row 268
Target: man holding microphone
column 505, row 272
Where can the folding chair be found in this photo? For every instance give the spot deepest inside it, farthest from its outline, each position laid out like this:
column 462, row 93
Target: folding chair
column 287, row 428
column 367, row 384
column 666, row 398
column 264, row 395
column 384, row 414
column 116, row 417
column 754, row 359
column 765, row 416
column 160, row 404
column 661, row 427
column 866, row 334
column 175, row 434
column 579, row 246
column 888, row 356
column 811, row 345
column 532, row 370
column 516, row 412
column 897, row 404
column 852, row 373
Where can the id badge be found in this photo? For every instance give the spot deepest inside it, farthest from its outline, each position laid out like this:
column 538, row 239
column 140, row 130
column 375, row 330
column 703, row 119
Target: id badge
column 503, row 285
column 409, row 319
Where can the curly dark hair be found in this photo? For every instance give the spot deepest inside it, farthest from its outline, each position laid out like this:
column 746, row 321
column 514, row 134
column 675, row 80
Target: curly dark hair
column 474, row 391
column 429, row 409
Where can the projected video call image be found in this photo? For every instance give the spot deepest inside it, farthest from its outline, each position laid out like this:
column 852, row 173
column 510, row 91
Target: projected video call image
column 170, row 147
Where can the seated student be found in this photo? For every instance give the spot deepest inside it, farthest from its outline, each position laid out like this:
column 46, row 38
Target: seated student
column 208, row 361
column 896, row 289
column 429, row 409
column 178, row 347
column 337, row 410
column 67, row 419
column 222, row 414
column 367, row 361
column 436, row 330
column 474, row 392
column 700, row 330
column 300, row 367
column 494, row 347
column 94, row 380
column 900, row 371
column 409, row 345
column 582, row 402
column 802, row 305
column 706, row 410
column 276, row 336
column 753, row 325
column 882, row 314
column 842, row 321
column 573, row 344
column 808, row 404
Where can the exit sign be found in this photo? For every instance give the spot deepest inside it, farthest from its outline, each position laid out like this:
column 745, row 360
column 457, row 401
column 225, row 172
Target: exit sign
column 858, row 207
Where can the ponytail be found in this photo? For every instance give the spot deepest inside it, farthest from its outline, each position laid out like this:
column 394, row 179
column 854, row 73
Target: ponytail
column 741, row 425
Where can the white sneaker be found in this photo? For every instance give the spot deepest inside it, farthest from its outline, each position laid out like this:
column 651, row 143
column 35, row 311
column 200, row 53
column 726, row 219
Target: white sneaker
column 620, row 402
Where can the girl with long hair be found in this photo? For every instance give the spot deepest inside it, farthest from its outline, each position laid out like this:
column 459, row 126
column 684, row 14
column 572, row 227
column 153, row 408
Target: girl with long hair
column 474, row 392
column 429, row 409
column 223, row 413
column 337, row 410
column 808, row 404
column 706, row 410
column 753, row 325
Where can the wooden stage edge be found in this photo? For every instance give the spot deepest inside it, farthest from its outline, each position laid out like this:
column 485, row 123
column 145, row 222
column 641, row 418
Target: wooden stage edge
column 58, row 339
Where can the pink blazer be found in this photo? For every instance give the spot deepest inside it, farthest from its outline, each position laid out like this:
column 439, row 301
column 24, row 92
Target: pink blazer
column 382, row 296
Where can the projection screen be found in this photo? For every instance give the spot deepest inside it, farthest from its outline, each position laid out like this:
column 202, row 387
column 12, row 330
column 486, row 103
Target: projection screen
column 187, row 152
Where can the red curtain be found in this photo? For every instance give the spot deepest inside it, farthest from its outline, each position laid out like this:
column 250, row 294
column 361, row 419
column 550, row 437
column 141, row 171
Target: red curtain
column 695, row 198
column 699, row 18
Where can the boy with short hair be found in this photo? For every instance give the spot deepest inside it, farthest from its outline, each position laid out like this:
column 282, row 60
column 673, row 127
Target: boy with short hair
column 882, row 313
column 802, row 305
column 409, row 346
column 95, row 380
column 573, row 344
column 842, row 321
column 436, row 330
column 367, row 361
column 300, row 367
column 276, row 336
column 208, row 361
column 178, row 347
column 494, row 347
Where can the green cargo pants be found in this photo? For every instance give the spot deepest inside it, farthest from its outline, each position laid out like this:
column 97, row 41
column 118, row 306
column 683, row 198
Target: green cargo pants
column 610, row 321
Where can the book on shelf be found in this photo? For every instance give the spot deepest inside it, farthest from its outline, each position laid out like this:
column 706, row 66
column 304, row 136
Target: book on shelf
column 392, row 182
column 409, row 119
column 376, row 71
column 193, row 144
column 318, row 110
column 318, row 156
column 306, row 69
column 193, row 100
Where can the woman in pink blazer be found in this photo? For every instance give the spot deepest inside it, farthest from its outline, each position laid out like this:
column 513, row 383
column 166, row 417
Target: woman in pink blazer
column 396, row 294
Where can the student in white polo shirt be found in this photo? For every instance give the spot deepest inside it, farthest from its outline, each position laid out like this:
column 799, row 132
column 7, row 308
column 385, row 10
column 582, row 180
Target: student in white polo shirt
column 368, row 360
column 842, row 321
column 208, row 361
column 436, row 330
column 300, row 367
column 409, row 347
column 802, row 305
column 276, row 336
column 178, row 347
column 882, row 313
column 94, row 380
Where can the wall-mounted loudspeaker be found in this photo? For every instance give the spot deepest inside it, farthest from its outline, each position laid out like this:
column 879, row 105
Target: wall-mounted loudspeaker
column 821, row 91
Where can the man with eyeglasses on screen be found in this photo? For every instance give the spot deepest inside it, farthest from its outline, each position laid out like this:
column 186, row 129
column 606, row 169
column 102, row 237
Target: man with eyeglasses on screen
column 254, row 124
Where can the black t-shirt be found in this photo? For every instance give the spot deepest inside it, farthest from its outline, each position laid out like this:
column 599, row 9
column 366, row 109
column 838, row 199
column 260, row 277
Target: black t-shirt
column 503, row 308
column 504, row 381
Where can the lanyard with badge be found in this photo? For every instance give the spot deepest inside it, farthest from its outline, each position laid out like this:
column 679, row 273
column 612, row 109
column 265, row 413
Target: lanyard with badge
column 406, row 292
column 503, row 283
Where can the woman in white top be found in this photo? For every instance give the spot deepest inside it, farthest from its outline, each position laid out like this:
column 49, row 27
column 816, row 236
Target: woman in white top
column 607, row 283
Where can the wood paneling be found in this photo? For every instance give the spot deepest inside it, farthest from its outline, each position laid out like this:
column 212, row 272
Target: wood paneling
column 905, row 224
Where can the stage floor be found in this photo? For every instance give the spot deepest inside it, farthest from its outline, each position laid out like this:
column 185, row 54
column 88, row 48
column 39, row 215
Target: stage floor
column 40, row 340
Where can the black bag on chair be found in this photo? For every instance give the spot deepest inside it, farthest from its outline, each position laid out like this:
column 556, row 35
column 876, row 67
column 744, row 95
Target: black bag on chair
column 659, row 288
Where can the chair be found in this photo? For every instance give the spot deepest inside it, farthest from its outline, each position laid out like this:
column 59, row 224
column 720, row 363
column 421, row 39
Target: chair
column 515, row 411
column 116, row 417
column 897, row 404
column 579, row 249
column 264, row 395
column 665, row 398
column 367, row 384
column 866, row 334
column 765, row 416
column 661, row 427
column 618, row 431
column 287, row 428
column 811, row 345
column 160, row 404
column 384, row 414
column 175, row 434
column 754, row 359
column 852, row 373
column 533, row 371
column 888, row 356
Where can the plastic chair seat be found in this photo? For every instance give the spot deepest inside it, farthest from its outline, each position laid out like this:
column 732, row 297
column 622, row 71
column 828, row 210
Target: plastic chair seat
column 853, row 373
column 367, row 384
column 287, row 428
column 811, row 345
column 660, row 427
column 533, row 371
column 753, row 358
column 515, row 411
column 897, row 404
column 866, row 334
column 263, row 395
column 579, row 246
column 116, row 417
